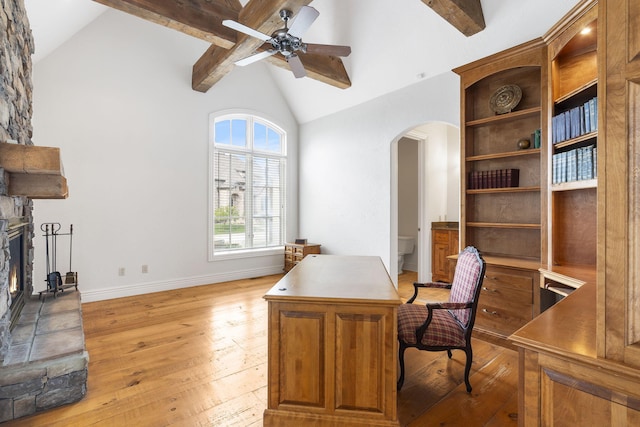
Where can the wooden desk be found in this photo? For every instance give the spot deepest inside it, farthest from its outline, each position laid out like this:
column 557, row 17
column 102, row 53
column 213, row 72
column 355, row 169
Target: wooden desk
column 333, row 344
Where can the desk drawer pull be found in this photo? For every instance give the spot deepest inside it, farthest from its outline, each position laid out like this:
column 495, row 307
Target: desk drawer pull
column 493, row 313
column 484, row 288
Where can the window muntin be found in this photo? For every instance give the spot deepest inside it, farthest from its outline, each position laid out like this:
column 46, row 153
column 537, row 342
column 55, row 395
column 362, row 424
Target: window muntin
column 248, row 184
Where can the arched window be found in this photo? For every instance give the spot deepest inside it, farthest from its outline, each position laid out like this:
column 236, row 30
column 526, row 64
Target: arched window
column 247, row 174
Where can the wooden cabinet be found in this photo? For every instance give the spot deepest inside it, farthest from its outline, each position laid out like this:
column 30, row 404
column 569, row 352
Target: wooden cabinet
column 333, row 344
column 506, row 300
column 572, row 153
column 580, row 359
column 444, row 242
column 502, row 220
column 294, row 253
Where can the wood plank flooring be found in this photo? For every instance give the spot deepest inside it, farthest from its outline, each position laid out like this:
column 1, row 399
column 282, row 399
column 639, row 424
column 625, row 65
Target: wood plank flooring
column 198, row 357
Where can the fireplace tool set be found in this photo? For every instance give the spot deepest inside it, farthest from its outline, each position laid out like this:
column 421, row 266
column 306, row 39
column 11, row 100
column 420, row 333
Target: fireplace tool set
column 57, row 282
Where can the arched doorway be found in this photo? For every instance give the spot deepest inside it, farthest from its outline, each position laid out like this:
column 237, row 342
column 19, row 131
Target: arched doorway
column 425, row 188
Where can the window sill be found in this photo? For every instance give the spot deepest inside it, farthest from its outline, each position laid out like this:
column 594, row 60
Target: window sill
column 247, row 253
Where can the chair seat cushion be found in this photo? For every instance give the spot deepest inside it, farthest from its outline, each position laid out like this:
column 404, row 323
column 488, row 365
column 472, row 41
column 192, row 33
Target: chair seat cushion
column 443, row 331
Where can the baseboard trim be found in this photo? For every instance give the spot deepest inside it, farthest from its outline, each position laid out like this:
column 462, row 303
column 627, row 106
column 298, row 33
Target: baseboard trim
column 166, row 285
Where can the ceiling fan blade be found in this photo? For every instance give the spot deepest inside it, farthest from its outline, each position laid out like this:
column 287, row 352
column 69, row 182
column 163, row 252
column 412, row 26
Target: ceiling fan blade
column 328, row 49
column 296, row 66
column 255, row 58
column 303, row 20
column 246, row 30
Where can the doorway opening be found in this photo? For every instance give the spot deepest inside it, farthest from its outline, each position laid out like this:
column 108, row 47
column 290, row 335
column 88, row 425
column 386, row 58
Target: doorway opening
column 425, row 190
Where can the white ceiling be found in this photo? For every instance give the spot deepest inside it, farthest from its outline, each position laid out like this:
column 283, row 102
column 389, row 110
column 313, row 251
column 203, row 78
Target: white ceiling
column 394, row 43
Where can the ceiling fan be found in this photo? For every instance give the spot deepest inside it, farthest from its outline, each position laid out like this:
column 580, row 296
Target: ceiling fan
column 288, row 41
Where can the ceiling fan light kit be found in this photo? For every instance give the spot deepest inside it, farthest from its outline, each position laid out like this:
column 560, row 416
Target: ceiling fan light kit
column 288, row 41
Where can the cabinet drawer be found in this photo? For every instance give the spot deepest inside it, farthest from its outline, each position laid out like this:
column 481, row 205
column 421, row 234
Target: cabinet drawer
column 506, row 300
column 500, row 319
column 500, row 277
column 440, row 237
column 288, row 249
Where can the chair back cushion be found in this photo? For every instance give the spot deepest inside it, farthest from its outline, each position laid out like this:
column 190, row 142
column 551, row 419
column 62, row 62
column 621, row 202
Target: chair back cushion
column 465, row 282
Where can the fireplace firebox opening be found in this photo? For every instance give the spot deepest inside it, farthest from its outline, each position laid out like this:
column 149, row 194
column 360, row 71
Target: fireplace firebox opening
column 17, row 266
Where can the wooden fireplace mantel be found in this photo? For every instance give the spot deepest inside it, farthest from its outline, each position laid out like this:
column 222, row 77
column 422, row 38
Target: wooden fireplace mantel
column 33, row 171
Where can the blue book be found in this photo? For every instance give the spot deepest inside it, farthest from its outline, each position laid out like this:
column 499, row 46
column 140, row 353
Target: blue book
column 587, row 117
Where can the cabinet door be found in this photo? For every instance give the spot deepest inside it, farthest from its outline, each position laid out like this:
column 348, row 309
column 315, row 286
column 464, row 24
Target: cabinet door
column 440, row 266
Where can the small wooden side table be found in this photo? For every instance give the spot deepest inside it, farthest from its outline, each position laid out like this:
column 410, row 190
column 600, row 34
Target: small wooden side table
column 294, row 253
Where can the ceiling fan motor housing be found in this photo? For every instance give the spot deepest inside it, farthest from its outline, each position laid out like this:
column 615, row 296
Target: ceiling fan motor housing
column 285, row 43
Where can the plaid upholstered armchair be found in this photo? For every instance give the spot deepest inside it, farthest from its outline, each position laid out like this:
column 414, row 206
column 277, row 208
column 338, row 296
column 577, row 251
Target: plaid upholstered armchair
column 447, row 325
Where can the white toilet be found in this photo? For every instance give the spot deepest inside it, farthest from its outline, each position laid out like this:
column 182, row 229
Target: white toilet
column 405, row 247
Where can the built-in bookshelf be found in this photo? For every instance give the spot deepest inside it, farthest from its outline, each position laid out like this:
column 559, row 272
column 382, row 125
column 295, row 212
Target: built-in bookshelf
column 572, row 154
column 502, row 217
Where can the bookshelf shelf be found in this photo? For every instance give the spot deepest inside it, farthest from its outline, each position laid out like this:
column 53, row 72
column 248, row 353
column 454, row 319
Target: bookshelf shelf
column 503, row 118
column 503, row 225
column 575, row 185
column 576, row 141
column 504, row 155
column 504, row 190
column 580, row 89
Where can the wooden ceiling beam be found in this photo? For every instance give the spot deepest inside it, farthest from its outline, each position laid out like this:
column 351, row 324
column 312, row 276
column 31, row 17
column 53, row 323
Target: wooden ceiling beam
column 198, row 18
column 203, row 19
column 465, row 15
column 264, row 16
column 326, row 69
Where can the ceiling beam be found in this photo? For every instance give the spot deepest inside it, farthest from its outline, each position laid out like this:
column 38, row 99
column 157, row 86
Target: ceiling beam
column 263, row 16
column 203, row 19
column 198, row 18
column 465, row 15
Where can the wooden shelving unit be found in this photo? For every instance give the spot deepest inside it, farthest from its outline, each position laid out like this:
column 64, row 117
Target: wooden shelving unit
column 505, row 224
column 572, row 205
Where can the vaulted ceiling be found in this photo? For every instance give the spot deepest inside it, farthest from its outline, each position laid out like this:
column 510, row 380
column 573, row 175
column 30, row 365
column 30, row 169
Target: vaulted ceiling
column 395, row 43
column 203, row 19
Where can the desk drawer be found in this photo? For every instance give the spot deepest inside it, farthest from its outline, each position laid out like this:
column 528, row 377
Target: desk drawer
column 506, row 300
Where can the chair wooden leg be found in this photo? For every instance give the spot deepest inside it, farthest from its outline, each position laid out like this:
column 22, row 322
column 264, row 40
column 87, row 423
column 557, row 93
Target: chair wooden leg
column 467, row 368
column 401, row 350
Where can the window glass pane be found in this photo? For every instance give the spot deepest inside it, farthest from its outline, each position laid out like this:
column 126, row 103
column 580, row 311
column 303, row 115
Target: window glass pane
column 259, row 136
column 229, row 200
column 222, row 132
column 247, row 214
column 274, row 141
column 239, row 132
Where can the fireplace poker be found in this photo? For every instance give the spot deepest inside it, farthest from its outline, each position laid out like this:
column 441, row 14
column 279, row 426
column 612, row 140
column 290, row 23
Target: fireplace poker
column 70, row 276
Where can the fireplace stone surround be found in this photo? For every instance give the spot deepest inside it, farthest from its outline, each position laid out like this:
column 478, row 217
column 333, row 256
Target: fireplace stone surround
column 43, row 359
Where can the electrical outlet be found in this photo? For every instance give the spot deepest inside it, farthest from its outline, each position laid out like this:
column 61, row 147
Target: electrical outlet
column 121, row 271
column 145, row 268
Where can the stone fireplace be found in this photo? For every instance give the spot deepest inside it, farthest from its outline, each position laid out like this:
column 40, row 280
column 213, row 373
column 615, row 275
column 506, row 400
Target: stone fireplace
column 43, row 360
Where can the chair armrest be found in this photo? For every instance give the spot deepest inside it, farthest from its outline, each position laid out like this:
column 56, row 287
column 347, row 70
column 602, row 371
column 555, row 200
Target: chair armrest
column 449, row 305
column 439, row 306
column 418, row 285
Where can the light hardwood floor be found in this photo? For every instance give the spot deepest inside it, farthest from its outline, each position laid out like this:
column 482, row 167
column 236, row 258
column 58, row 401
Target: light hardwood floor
column 198, row 357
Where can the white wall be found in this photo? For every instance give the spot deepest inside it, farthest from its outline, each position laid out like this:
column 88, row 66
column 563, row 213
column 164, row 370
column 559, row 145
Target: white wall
column 117, row 100
column 346, row 167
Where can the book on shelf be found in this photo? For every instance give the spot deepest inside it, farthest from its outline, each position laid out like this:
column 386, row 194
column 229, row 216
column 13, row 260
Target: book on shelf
column 497, row 178
column 574, row 165
column 575, row 122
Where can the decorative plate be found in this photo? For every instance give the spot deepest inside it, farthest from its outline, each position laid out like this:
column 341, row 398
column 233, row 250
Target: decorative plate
column 505, row 99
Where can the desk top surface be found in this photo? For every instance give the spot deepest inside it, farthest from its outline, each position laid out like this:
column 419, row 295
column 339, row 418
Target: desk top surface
column 333, row 278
